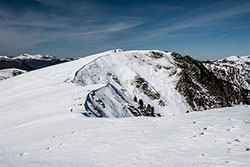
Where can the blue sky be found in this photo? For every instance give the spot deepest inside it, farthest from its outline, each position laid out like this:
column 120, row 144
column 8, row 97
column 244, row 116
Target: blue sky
column 203, row 29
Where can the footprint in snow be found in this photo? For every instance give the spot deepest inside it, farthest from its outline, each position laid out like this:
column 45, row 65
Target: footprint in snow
column 22, row 154
column 143, row 131
column 48, row 148
column 202, row 133
column 237, row 140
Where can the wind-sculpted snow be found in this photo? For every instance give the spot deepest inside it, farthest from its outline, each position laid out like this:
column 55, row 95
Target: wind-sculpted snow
column 108, row 101
column 146, row 75
column 168, row 82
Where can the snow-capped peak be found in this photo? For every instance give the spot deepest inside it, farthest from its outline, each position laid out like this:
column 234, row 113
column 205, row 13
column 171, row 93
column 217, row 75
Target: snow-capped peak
column 238, row 59
column 234, row 69
column 35, row 56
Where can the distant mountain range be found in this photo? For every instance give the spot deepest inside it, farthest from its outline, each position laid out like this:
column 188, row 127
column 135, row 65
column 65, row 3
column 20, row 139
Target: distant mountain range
column 29, row 62
column 13, row 66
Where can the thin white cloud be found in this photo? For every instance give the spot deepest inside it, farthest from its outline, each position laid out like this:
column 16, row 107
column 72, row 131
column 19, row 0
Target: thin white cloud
column 211, row 17
column 33, row 27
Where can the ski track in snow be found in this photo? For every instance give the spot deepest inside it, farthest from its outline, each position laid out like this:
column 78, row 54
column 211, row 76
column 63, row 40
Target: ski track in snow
column 37, row 128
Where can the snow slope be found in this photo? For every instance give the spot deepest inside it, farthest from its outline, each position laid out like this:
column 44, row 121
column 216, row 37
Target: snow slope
column 41, row 124
column 118, row 103
column 211, row 138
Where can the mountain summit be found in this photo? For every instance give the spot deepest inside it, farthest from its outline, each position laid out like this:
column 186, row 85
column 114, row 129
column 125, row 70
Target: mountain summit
column 165, row 81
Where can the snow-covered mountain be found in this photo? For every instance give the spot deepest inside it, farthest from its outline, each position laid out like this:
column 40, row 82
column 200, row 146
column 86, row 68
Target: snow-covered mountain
column 44, row 114
column 149, row 83
column 30, row 62
column 165, row 81
column 136, row 74
column 233, row 69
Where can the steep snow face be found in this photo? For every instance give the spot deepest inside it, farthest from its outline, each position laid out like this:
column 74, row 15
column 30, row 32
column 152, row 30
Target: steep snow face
column 234, row 69
column 146, row 75
column 9, row 73
column 109, row 102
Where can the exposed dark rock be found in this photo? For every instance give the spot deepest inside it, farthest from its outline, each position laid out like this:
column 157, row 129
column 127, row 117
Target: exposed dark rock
column 162, row 103
column 203, row 90
column 114, row 78
column 157, row 55
column 143, row 86
column 235, row 72
column 159, row 67
column 141, row 104
column 145, row 110
column 17, row 72
column 134, row 111
column 135, row 99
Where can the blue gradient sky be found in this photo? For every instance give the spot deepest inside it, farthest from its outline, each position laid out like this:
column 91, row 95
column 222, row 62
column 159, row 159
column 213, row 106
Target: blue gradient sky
column 204, row 29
